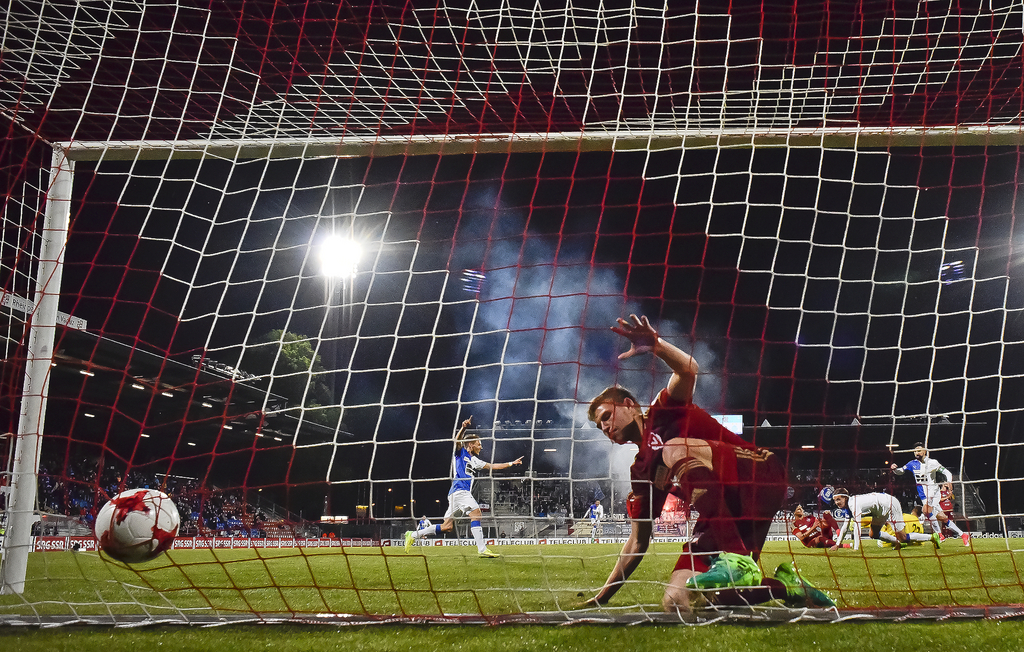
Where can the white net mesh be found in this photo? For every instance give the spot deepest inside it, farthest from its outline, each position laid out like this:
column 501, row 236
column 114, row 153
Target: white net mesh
column 819, row 206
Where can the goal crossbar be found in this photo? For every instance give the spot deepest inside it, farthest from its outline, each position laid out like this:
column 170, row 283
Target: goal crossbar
column 589, row 140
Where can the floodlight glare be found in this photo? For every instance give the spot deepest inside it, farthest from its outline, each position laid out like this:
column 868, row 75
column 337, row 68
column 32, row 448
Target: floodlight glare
column 339, row 257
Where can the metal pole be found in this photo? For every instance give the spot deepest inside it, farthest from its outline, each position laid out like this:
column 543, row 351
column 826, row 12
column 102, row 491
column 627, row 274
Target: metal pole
column 329, row 359
column 21, row 510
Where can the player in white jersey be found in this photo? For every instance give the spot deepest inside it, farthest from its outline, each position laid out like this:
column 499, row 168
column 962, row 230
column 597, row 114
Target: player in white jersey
column 882, row 508
column 460, row 500
column 926, row 474
column 423, row 524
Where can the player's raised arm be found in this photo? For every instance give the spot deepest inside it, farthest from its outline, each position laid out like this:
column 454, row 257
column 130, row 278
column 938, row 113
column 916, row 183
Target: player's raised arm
column 503, row 465
column 461, row 432
column 643, row 338
column 632, row 554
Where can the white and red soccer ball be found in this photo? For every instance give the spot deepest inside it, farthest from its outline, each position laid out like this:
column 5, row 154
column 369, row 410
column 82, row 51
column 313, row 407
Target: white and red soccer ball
column 137, row 525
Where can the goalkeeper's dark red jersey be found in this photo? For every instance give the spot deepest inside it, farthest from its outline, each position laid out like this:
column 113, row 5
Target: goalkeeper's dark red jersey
column 735, row 487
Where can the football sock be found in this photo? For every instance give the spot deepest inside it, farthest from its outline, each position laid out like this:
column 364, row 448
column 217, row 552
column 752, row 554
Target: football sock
column 478, row 535
column 885, row 536
column 934, row 522
column 918, row 536
column 430, row 530
column 953, row 526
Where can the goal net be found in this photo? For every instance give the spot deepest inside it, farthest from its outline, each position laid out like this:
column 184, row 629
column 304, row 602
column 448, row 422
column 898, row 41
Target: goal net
column 270, row 257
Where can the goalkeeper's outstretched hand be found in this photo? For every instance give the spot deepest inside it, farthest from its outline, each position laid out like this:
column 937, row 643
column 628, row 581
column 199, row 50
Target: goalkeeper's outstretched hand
column 641, row 335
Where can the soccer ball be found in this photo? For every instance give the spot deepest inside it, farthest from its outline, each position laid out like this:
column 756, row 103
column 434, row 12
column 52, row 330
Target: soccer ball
column 137, row 525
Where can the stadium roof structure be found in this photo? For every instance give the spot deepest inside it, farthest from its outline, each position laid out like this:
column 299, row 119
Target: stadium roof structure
column 867, row 445
column 171, row 403
column 363, row 76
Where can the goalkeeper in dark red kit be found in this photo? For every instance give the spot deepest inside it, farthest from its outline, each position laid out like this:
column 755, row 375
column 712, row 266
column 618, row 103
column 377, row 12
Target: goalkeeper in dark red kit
column 735, row 487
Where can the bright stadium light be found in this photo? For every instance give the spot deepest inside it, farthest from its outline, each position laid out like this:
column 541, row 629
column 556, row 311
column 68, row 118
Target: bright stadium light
column 339, row 257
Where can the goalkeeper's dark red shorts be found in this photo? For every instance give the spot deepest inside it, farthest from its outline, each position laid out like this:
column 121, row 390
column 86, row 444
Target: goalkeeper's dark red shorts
column 736, row 516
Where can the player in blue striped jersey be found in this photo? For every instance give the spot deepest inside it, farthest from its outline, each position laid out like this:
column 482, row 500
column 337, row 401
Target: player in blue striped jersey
column 926, row 474
column 464, row 466
column 423, row 524
column 595, row 513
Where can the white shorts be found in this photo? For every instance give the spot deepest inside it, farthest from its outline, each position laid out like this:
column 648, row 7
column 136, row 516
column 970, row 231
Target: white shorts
column 460, row 501
column 892, row 512
column 930, row 495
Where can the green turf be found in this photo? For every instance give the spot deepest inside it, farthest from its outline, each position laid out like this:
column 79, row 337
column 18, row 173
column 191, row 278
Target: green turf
column 453, row 580
column 991, row 636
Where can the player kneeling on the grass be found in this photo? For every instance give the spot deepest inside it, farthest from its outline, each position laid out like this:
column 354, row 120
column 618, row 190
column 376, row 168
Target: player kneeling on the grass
column 882, row 509
column 735, row 487
column 460, row 500
column 814, row 531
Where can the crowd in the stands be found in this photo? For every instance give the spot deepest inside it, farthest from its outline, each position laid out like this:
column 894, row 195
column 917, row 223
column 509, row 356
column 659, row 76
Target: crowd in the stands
column 79, row 488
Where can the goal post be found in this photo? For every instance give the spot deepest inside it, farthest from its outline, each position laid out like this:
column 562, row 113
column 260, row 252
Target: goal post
column 485, row 348
column 21, row 509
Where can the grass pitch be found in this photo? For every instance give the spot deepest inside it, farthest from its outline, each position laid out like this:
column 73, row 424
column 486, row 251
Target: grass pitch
column 453, row 581
column 446, row 581
column 991, row 636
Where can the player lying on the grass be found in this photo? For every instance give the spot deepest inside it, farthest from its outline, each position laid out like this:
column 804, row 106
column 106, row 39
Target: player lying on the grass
column 814, row 531
column 735, row 487
column 882, row 509
column 926, row 474
column 460, row 500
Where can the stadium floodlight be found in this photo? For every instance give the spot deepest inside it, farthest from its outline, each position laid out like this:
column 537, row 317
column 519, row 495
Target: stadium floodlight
column 339, row 257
